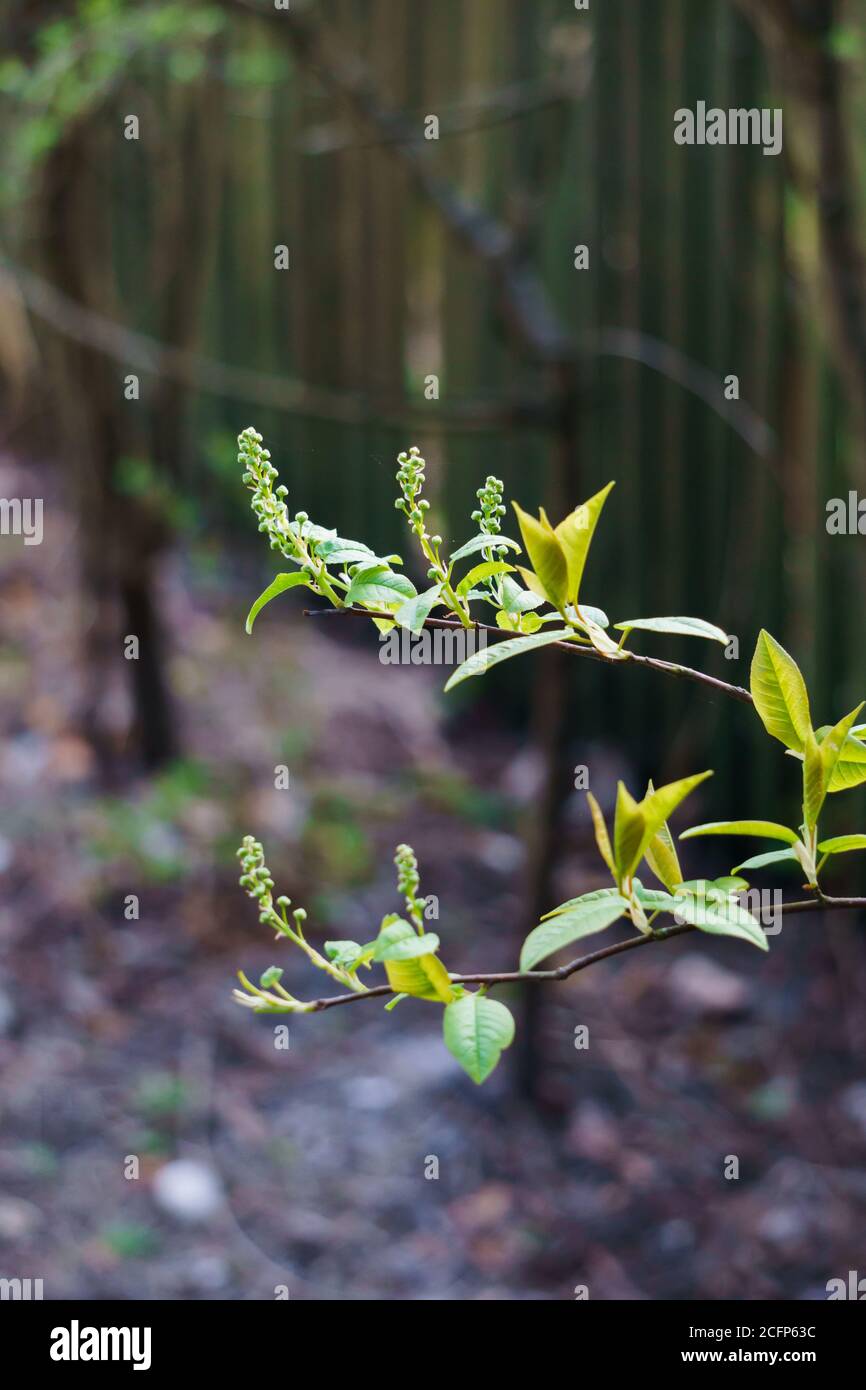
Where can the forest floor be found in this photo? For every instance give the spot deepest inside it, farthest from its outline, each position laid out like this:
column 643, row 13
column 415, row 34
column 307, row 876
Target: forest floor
column 157, row 1144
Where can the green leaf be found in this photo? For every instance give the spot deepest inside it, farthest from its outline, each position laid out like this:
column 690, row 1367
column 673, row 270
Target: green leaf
column 659, row 804
column 713, row 889
column 424, row 978
column 582, row 917
column 347, row 953
column 485, row 571
column 517, row 600
column 779, row 692
column 278, row 586
column 763, row 861
column 842, row 844
column 482, row 543
column 720, row 919
column 414, row 613
column 683, row 627
column 595, row 615
column 834, row 744
column 763, row 829
column 602, row 839
column 476, row 1031
column 410, row 962
column 814, row 779
column 482, row 660
column 850, row 769
column 379, row 585
column 547, row 555
column 271, row 976
column 337, row 551
column 629, row 828
column 527, row 622
column 575, row 535
column 661, row 854
column 600, row 640
column 652, row 900
column 399, row 941
column 533, row 583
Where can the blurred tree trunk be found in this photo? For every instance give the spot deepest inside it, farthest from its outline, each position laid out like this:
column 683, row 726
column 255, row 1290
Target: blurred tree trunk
column 122, row 537
column 118, row 538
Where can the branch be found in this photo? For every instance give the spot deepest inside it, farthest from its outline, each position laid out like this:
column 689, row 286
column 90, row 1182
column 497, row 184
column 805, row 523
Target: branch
column 652, row 663
column 166, row 362
column 507, row 977
column 491, row 109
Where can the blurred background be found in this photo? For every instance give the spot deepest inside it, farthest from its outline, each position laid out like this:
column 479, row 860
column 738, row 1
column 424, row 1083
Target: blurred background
column 158, row 163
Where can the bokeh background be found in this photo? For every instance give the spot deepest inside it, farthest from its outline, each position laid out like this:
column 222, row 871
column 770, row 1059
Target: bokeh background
column 154, row 258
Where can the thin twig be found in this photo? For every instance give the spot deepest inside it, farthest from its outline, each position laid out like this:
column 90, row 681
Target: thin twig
column 653, row 663
column 819, row 903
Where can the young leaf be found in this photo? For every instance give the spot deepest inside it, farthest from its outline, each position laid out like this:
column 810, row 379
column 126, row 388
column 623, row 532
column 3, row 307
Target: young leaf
column 652, row 900
column 380, row 585
column 594, row 615
column 533, row 583
column 629, row 828
column 349, row 954
column 575, row 537
column 482, row 543
column 720, row 919
column 683, row 627
column 602, row 839
column 480, row 572
column 400, row 941
column 600, row 640
column 763, row 829
column 842, row 844
column 661, row 855
column 547, row 556
column 476, row 1031
column 814, row 779
column 482, row 660
column 339, row 552
column 517, row 600
column 779, row 692
column 850, row 769
column 414, row 613
column 763, row 861
column 715, row 890
column 410, row 962
column 834, row 742
column 582, row 917
column 278, row 586
column 423, row 978
column 658, row 805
